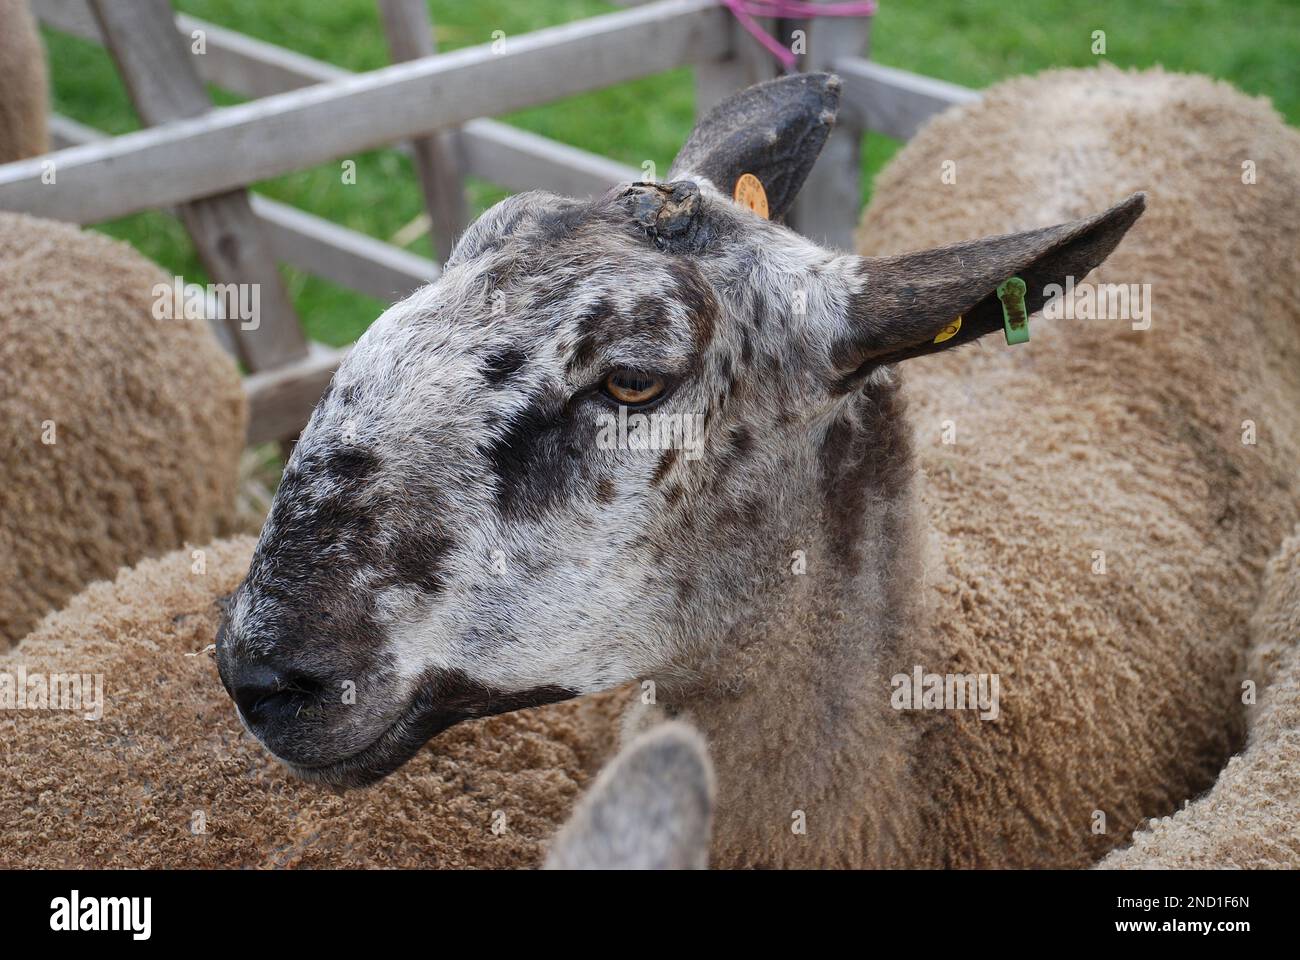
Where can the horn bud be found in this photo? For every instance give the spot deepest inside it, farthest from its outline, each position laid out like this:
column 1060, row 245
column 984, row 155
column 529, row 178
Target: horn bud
column 669, row 213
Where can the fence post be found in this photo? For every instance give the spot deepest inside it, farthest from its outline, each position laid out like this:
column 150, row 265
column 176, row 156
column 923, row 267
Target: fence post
column 747, row 63
column 153, row 58
column 827, row 208
column 438, row 155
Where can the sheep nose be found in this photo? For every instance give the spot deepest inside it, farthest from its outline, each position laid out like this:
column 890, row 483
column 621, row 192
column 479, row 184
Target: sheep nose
column 268, row 697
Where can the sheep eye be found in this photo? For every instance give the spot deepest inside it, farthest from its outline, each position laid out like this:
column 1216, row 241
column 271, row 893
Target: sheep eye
column 632, row 387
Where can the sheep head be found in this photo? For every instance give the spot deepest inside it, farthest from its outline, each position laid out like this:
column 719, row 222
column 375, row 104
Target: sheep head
column 573, row 459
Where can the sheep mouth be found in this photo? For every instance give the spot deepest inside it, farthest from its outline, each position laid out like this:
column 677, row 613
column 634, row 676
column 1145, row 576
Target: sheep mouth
column 445, row 699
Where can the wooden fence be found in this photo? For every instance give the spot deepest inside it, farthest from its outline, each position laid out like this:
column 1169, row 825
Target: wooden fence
column 199, row 161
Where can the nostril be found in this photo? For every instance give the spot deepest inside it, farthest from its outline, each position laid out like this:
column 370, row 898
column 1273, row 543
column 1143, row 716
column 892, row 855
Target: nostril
column 265, row 695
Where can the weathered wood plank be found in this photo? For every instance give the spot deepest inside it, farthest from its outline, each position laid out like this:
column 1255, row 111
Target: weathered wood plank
column 519, row 160
column 437, row 156
column 69, row 16
column 505, row 155
column 253, row 68
column 308, row 242
column 66, row 133
column 894, row 102
column 154, row 63
column 254, row 141
column 344, row 256
column 743, row 64
column 280, row 401
column 827, row 208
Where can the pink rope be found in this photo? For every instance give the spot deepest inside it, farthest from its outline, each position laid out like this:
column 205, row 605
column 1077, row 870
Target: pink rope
column 746, row 10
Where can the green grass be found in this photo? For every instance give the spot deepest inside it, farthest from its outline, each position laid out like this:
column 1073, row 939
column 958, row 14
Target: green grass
column 1255, row 45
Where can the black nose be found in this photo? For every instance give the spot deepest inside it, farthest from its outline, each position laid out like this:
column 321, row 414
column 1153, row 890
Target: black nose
column 266, row 696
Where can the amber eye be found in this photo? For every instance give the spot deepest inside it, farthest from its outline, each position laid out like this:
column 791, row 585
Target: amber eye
column 632, row 387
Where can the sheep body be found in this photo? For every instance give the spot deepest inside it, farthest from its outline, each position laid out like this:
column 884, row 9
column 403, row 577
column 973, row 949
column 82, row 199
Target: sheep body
column 1120, row 688
column 23, row 106
column 122, row 432
column 1250, row 818
column 1092, row 534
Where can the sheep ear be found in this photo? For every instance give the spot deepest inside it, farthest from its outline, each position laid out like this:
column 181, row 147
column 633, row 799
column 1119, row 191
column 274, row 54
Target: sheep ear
column 650, row 809
column 774, row 130
column 908, row 304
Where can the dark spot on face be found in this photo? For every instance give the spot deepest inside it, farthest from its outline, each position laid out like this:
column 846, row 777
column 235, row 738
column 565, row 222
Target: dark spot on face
column 694, row 292
column 350, row 463
column 746, row 347
column 605, row 490
column 584, row 352
column 501, row 365
column 665, row 464
column 304, row 574
column 416, row 558
column 688, row 518
column 651, row 312
column 538, row 461
column 589, row 327
column 724, row 366
column 729, row 453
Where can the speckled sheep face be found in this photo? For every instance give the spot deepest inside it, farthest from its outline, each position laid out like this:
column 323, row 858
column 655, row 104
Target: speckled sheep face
column 474, row 519
column 565, row 464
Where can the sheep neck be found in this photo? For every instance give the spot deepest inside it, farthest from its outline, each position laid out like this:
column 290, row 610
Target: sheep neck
column 795, row 700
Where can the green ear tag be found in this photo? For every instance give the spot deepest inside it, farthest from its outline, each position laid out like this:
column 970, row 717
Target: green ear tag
column 1015, row 320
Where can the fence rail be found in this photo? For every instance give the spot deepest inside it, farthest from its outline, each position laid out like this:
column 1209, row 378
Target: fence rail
column 253, row 68
column 305, row 112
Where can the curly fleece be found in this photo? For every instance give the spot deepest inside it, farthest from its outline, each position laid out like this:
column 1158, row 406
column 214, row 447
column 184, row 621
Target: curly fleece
column 23, row 107
column 146, row 418
column 1250, row 818
column 1121, row 690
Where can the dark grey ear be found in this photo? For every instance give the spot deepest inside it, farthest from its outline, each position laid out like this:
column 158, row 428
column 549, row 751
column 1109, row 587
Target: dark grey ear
column 908, row 300
column 774, row 130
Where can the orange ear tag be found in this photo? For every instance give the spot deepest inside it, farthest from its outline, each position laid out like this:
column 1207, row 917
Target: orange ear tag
column 750, row 193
